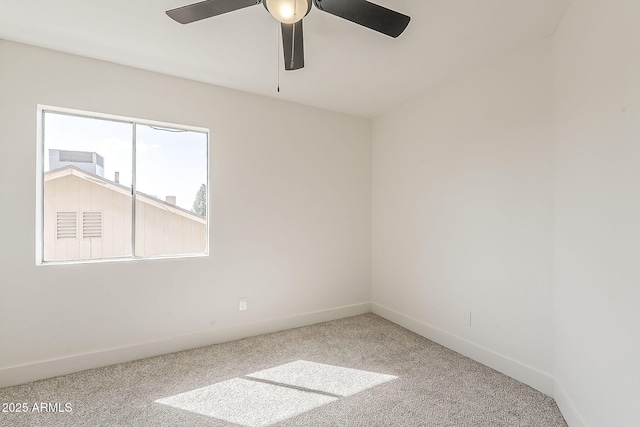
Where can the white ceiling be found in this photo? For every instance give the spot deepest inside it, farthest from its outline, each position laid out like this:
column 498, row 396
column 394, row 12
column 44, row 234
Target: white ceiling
column 348, row 68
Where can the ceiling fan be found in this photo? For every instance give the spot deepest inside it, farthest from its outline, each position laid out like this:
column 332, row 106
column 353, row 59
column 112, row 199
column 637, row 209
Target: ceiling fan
column 290, row 13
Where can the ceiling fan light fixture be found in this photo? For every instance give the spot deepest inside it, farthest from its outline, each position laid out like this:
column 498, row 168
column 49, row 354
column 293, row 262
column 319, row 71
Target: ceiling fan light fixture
column 288, row 11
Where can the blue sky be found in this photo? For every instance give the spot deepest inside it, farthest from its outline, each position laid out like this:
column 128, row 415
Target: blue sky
column 168, row 163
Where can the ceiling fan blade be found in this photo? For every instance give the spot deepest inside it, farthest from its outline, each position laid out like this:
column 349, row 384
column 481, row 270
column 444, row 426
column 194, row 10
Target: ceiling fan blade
column 293, row 46
column 370, row 15
column 207, row 9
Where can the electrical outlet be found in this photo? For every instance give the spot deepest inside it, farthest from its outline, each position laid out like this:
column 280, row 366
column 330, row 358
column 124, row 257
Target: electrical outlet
column 467, row 317
column 243, row 304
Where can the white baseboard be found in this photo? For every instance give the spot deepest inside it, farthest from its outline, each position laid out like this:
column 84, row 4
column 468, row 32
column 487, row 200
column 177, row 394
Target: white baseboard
column 533, row 377
column 569, row 412
column 20, row 374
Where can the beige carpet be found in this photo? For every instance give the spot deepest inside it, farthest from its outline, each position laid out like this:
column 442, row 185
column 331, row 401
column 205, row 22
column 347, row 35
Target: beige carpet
column 360, row 371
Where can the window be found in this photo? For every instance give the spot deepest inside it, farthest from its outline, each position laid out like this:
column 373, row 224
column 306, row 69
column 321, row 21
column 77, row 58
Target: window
column 113, row 187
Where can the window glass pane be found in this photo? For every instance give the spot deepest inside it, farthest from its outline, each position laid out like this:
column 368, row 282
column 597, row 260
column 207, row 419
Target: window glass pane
column 87, row 210
column 171, row 178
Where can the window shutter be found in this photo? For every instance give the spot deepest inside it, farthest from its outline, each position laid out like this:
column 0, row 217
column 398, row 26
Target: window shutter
column 65, row 225
column 91, row 225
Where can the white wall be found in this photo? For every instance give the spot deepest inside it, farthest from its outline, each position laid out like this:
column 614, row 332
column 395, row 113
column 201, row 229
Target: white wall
column 597, row 228
column 463, row 214
column 290, row 228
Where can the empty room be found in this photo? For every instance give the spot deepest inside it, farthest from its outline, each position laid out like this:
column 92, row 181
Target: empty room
column 320, row 213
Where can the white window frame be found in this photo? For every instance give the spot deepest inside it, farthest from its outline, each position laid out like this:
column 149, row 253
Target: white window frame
column 40, row 156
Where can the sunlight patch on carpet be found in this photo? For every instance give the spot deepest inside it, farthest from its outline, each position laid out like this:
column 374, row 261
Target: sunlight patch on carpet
column 275, row 394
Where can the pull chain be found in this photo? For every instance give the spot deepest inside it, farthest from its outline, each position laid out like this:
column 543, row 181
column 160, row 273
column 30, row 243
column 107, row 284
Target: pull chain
column 278, row 56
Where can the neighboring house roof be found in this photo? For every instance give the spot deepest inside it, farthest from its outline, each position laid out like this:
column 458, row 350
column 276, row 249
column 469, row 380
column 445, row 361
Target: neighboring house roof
column 121, row 189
